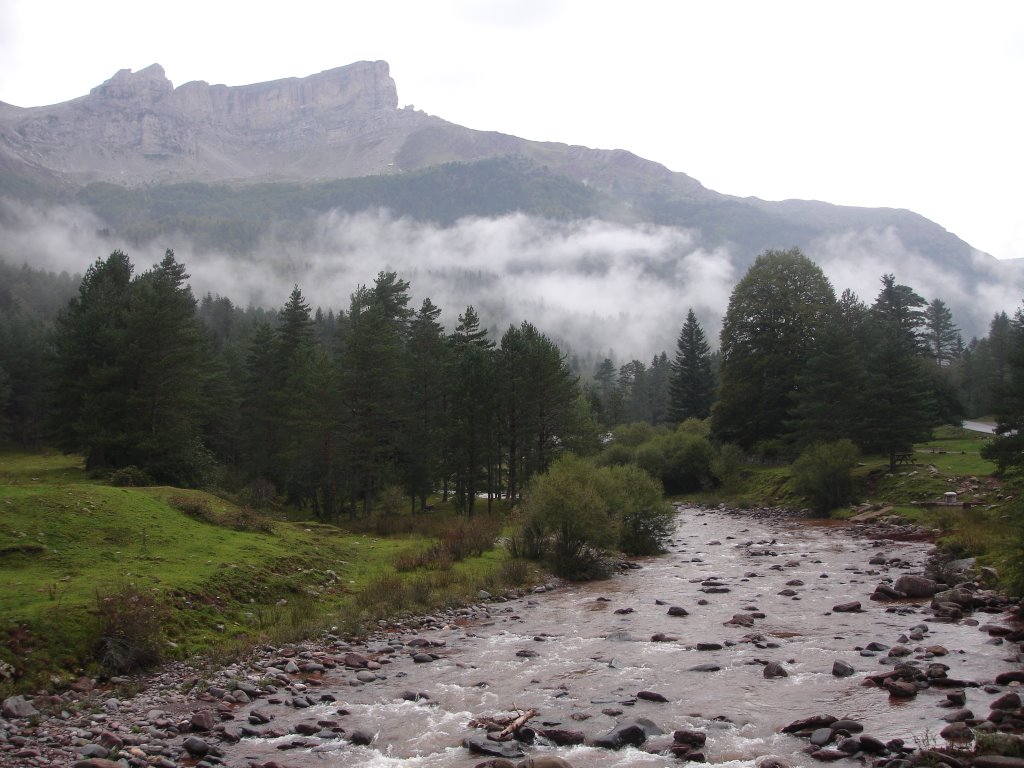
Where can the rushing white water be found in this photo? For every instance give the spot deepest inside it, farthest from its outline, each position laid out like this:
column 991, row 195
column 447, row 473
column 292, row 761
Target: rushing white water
column 591, row 661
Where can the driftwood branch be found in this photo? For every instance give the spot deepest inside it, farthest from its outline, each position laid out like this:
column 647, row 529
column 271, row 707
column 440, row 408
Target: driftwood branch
column 518, row 723
column 506, row 726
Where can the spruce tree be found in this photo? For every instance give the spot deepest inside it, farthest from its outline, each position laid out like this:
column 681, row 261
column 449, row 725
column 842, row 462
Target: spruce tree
column 941, row 335
column 692, row 386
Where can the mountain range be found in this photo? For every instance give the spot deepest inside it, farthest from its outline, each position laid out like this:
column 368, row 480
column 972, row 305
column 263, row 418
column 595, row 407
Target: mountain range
column 241, row 172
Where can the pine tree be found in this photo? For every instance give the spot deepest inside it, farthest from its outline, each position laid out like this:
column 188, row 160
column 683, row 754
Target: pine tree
column 692, row 386
column 423, row 449
column 165, row 357
column 373, row 374
column 829, row 401
column 129, row 362
column 941, row 335
column 537, row 393
column 659, row 377
column 90, row 381
column 900, row 394
column 471, row 445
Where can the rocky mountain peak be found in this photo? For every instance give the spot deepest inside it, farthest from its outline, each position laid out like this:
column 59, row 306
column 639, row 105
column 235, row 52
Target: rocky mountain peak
column 147, row 85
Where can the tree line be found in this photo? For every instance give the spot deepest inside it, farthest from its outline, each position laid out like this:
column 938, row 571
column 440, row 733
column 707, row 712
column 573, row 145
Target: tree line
column 329, row 410
column 336, row 409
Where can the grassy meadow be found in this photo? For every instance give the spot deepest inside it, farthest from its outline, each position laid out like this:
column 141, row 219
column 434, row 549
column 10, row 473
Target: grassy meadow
column 78, row 555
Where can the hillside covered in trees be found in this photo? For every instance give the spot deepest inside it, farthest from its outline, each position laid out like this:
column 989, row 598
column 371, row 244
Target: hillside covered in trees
column 331, row 409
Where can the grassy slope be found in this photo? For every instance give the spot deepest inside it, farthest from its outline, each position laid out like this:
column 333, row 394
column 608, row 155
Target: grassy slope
column 65, row 538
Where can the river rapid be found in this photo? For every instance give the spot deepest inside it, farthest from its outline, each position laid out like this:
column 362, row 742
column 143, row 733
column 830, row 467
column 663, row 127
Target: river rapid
column 581, row 653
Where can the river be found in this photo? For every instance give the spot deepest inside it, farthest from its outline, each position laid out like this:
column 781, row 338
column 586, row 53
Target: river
column 594, row 653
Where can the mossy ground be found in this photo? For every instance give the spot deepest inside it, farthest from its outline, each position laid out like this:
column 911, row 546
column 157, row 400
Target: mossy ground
column 67, row 540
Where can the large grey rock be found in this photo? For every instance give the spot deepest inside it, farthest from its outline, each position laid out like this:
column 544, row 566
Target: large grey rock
column 18, row 706
column 479, row 745
column 629, row 733
column 196, row 746
column 842, row 669
column 916, row 586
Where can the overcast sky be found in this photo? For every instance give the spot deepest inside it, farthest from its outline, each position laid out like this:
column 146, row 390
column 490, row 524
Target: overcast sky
column 899, row 103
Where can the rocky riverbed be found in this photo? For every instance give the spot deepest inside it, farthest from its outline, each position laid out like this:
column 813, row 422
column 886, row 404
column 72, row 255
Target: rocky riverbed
column 758, row 639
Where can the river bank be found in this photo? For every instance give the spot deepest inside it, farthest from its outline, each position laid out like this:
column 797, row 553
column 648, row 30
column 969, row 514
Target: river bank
column 734, row 635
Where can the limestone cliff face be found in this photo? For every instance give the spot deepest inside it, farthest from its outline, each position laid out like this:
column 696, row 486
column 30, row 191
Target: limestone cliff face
column 137, row 127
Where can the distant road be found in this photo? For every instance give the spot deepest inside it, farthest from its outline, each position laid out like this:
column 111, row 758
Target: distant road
column 978, row 426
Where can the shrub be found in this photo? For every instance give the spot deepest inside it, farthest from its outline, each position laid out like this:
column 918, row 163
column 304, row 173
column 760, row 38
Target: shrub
column 515, row 572
column 687, row 464
column 634, row 434
column 823, row 474
column 616, row 455
column 645, row 519
column 726, row 464
column 694, row 426
column 565, row 504
column 528, row 542
column 583, row 510
column 130, row 629
column 650, row 457
column 130, row 477
column 194, row 506
column 259, row 494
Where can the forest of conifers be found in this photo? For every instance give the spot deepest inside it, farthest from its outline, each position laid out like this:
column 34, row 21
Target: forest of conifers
column 334, row 409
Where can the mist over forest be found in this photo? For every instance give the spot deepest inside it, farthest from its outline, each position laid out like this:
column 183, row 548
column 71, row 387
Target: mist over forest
column 596, row 287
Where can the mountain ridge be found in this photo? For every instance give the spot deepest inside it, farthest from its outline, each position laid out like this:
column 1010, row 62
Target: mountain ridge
column 337, row 140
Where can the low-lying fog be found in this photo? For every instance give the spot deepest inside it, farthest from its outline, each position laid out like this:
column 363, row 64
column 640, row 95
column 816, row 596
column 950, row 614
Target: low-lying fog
column 591, row 285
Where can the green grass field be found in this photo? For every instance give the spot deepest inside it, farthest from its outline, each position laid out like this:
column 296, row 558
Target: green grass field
column 68, row 543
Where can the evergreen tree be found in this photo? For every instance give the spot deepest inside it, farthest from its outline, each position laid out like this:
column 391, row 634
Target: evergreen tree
column 471, row 445
column 692, row 387
column 1000, row 349
column 372, row 378
column 164, row 360
column 635, row 389
column 659, row 377
column 775, row 314
column 898, row 390
column 90, row 380
column 902, row 309
column 1007, row 450
column 260, row 438
column 537, row 394
column 611, row 407
column 424, row 446
column 828, row 403
column 129, row 362
column 941, row 336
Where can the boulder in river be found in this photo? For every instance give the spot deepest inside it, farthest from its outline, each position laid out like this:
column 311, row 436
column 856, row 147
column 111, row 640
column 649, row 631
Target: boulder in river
column 842, row 669
column 773, row 669
column 629, row 733
column 561, row 737
column 884, row 592
column 916, row 586
column 810, row 724
column 652, row 696
column 479, row 745
column 851, row 607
